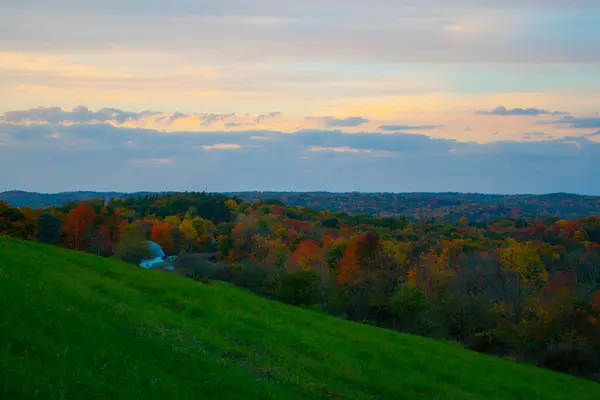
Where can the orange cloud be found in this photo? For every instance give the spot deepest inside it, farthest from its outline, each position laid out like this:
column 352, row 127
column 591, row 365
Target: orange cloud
column 31, row 62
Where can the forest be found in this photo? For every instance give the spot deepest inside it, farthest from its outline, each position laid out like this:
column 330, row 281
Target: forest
column 452, row 206
column 523, row 288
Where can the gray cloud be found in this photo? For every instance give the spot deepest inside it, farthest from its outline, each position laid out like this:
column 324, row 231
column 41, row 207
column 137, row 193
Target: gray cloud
column 207, row 119
column 347, row 122
column 406, row 127
column 501, row 110
column 579, row 122
column 271, row 115
column 79, row 114
column 103, row 157
column 398, row 143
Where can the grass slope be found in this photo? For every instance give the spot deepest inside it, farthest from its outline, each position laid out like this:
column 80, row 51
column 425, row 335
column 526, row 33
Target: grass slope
column 73, row 325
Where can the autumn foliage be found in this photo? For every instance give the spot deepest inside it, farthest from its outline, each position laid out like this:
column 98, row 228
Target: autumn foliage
column 80, row 226
column 163, row 235
column 524, row 288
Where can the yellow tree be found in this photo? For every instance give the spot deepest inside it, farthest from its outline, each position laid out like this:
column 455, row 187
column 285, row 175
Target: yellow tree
column 188, row 235
column 433, row 272
column 172, row 220
column 523, row 260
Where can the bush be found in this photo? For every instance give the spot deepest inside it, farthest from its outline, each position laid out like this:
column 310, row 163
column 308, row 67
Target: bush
column 464, row 316
column 571, row 357
column 411, row 311
column 48, row 229
column 254, row 278
column 133, row 247
column 196, row 266
column 299, row 287
column 498, row 341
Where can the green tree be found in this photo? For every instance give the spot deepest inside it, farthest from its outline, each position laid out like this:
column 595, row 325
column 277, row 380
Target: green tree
column 299, row 287
column 133, row 246
column 48, row 230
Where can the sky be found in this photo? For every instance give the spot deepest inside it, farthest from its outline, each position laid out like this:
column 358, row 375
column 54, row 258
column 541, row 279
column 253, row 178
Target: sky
column 354, row 95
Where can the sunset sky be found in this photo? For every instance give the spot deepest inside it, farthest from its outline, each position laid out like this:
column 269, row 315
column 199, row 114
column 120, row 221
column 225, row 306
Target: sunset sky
column 370, row 95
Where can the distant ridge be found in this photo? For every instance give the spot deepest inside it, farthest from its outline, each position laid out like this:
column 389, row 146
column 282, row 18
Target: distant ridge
column 449, row 205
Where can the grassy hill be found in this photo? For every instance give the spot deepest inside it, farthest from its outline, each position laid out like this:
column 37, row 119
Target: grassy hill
column 73, row 325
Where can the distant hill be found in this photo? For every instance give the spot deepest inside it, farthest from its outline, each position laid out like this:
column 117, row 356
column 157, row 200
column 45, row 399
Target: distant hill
column 74, row 325
column 19, row 198
column 478, row 207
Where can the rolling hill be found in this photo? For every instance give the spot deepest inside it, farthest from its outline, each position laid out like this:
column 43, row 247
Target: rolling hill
column 478, row 207
column 73, row 325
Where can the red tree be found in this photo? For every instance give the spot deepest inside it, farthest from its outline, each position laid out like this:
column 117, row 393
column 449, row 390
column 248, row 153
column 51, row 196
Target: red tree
column 360, row 249
column 80, row 226
column 307, row 253
column 163, row 235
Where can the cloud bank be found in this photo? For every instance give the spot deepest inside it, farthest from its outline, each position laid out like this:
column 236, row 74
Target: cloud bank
column 100, row 156
column 501, row 110
column 579, row 123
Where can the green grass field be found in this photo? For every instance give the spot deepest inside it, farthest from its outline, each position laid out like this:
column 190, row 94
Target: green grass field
column 76, row 326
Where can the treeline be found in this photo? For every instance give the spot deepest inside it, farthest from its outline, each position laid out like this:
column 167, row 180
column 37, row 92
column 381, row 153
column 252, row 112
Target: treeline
column 451, row 206
column 525, row 289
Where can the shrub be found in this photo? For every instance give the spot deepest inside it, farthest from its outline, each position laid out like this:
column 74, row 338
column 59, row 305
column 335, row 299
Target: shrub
column 48, row 229
column 196, row 266
column 299, row 287
column 571, row 357
column 133, row 246
column 411, row 311
column 254, row 277
column 499, row 341
column 465, row 315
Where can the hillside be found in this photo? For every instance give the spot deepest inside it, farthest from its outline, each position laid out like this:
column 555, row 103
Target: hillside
column 74, row 325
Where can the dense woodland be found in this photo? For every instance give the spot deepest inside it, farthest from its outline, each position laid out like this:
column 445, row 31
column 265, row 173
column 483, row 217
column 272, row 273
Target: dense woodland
column 522, row 288
column 451, row 206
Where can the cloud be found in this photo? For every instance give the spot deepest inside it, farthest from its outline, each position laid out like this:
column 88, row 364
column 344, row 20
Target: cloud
column 344, row 149
column 342, row 31
column 83, row 115
column 21, row 62
column 222, row 146
column 337, row 149
column 406, row 127
column 347, row 122
column 579, row 122
column 271, row 115
column 155, row 161
column 501, row 110
column 79, row 114
column 95, row 156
